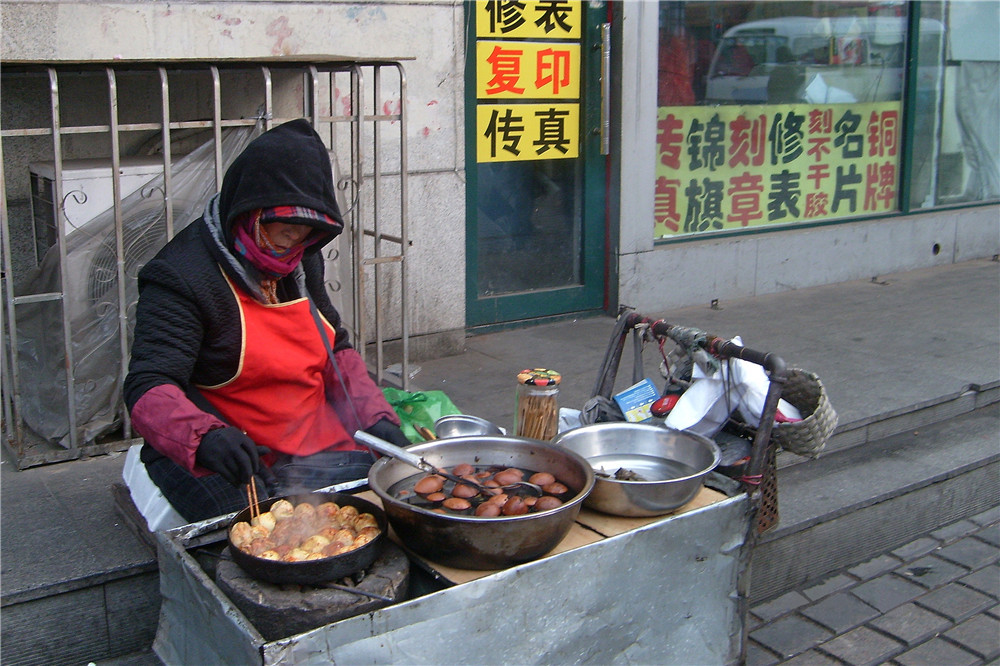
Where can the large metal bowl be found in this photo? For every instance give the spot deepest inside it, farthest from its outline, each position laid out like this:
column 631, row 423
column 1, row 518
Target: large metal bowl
column 468, row 542
column 672, row 463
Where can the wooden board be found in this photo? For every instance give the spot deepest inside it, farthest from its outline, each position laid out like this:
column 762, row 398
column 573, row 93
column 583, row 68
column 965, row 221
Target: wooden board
column 590, row 527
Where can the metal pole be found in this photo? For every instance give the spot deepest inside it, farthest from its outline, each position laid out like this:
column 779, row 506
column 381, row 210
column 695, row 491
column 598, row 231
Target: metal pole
column 404, row 233
column 116, row 188
column 60, row 218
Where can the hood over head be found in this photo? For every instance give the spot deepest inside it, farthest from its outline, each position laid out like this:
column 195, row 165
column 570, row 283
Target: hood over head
column 286, row 166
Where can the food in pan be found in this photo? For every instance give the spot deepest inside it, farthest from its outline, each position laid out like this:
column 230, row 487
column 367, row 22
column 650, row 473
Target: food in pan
column 502, row 498
column 301, row 532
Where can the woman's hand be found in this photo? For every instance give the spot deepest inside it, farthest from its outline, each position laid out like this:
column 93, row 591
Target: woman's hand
column 390, row 432
column 229, row 453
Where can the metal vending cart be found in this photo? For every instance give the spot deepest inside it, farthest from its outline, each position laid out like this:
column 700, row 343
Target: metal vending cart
column 668, row 589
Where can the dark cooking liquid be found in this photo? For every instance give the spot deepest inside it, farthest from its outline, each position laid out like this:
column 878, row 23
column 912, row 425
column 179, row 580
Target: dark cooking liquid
column 403, row 491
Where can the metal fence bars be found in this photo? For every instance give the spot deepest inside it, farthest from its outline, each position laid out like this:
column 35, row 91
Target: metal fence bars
column 91, row 190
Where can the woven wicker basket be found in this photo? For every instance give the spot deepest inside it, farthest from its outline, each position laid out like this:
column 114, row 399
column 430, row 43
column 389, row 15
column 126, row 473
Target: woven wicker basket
column 807, row 437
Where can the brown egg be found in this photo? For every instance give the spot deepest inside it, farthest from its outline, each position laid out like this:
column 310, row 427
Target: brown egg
column 488, row 510
column 499, row 499
column 437, row 497
column 555, row 488
column 464, row 491
column 463, row 469
column 429, row 484
column 515, row 506
column 457, row 504
column 485, row 474
column 542, row 478
column 506, row 477
column 547, row 503
column 530, row 500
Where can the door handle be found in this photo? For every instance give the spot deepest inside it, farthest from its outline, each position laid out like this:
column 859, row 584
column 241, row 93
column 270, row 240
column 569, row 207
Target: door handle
column 605, row 88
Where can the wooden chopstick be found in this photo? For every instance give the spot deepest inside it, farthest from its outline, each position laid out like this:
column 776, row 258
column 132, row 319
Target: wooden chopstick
column 252, row 499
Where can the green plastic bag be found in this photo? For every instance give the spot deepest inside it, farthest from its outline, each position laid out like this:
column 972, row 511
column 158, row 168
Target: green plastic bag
column 421, row 408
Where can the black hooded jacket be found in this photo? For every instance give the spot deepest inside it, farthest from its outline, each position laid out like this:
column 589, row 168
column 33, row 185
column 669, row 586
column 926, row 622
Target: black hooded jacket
column 187, row 321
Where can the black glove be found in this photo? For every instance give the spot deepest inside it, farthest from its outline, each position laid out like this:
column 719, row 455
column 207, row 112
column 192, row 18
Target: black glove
column 230, row 453
column 390, row 432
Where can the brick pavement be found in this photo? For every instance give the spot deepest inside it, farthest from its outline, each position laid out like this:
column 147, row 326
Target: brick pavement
column 935, row 600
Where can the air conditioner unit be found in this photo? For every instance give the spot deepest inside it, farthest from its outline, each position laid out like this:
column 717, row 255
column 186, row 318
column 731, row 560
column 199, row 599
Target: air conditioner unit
column 87, row 192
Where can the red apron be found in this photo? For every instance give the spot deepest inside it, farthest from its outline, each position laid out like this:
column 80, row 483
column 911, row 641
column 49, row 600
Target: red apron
column 277, row 395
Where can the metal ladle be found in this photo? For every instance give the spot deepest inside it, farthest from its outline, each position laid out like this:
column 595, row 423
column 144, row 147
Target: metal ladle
column 413, row 460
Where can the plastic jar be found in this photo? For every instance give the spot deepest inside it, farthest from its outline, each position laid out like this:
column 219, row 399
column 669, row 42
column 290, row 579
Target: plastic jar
column 537, row 413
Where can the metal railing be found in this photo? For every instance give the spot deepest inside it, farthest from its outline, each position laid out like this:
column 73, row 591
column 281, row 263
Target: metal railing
column 206, row 97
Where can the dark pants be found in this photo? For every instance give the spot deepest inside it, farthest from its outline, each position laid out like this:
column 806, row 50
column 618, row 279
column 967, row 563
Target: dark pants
column 198, row 498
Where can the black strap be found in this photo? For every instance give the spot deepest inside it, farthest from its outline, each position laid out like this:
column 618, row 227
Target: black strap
column 329, row 353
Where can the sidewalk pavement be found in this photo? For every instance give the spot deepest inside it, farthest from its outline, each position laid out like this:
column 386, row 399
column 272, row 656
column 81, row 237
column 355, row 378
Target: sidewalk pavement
column 931, row 601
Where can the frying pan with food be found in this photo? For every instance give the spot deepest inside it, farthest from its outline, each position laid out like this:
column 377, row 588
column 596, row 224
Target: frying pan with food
column 311, row 572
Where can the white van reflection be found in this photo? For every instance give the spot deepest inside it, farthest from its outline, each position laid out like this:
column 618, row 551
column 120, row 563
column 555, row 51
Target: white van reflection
column 815, row 60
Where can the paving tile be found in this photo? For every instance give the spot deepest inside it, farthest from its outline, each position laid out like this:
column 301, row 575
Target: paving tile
column 811, row 658
column 828, row 586
column 911, row 624
column 779, row 606
column 970, row 553
column 995, row 611
column 990, row 535
column 937, row 652
column 955, row 602
column 955, row 530
column 791, row 635
column 916, row 548
column 840, row 612
column 979, row 634
column 758, row 656
column 874, row 567
column 887, row 591
column 986, row 580
column 987, row 517
column 931, row 571
column 862, row 646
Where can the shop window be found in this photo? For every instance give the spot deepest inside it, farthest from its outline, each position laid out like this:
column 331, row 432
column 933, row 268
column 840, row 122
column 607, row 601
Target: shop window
column 778, row 113
column 956, row 142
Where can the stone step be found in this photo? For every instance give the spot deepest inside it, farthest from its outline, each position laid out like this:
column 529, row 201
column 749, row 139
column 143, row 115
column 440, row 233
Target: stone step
column 850, row 505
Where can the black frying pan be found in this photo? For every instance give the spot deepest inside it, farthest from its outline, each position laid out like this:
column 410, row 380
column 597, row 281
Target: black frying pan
column 312, row 571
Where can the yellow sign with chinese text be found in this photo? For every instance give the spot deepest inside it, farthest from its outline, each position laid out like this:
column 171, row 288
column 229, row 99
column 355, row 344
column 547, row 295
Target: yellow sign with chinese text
column 521, row 132
column 730, row 167
column 527, row 70
column 529, row 19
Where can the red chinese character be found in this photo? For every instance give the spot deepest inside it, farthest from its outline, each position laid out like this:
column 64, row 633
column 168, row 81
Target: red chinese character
column 665, row 206
column 882, row 134
column 816, row 205
column 506, row 71
column 820, row 122
column 744, row 192
column 553, row 67
column 670, row 140
column 817, row 173
column 747, row 139
column 880, row 186
column 818, row 147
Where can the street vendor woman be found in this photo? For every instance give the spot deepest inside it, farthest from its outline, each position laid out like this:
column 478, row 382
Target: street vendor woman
column 230, row 375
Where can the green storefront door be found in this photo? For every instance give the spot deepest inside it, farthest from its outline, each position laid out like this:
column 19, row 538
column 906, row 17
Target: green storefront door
column 536, row 172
